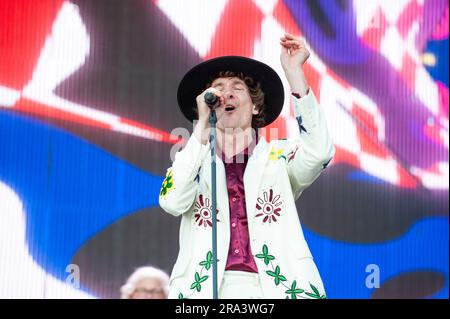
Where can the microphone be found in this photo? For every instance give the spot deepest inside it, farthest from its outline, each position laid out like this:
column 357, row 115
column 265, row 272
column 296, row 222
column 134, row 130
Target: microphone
column 211, row 100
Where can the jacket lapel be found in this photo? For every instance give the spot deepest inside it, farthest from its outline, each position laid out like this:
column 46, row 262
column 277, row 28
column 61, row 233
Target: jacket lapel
column 253, row 177
column 222, row 193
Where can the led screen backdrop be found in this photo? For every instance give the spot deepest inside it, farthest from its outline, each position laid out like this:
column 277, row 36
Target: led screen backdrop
column 87, row 113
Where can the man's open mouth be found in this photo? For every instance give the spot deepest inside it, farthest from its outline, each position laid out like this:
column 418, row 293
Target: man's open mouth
column 229, row 108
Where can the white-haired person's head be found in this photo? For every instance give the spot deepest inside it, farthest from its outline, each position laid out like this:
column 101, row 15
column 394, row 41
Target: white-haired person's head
column 146, row 283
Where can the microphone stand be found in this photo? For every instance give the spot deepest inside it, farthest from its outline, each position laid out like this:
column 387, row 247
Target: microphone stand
column 212, row 140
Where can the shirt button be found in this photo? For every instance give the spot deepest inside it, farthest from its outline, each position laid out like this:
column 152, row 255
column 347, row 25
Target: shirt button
column 233, row 225
column 236, row 251
column 234, row 199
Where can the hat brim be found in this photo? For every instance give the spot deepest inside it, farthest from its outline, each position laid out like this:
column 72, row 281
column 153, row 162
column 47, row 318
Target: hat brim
column 195, row 80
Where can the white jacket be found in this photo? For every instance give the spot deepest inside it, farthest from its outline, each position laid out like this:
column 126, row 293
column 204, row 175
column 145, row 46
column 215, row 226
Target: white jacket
column 275, row 176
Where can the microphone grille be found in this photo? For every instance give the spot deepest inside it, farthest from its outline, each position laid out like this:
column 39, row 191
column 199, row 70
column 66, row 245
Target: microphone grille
column 210, row 98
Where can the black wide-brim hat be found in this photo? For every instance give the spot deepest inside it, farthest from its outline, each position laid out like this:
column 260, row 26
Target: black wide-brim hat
column 195, row 80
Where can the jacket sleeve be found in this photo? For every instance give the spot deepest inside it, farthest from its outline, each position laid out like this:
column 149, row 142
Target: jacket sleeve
column 312, row 149
column 179, row 188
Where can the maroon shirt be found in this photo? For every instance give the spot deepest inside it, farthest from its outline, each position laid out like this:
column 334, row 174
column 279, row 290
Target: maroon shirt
column 240, row 255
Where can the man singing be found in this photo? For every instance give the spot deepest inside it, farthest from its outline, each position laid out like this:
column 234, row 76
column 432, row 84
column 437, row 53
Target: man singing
column 261, row 250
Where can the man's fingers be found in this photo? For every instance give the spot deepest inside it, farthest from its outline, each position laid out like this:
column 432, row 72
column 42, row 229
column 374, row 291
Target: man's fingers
column 288, row 39
column 294, row 42
column 289, row 36
column 290, row 46
column 213, row 90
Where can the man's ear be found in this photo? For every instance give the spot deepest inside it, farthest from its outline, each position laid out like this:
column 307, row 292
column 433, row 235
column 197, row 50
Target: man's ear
column 255, row 110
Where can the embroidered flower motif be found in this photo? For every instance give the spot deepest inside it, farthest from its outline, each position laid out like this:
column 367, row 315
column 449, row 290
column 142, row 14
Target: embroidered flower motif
column 292, row 290
column 315, row 294
column 276, row 275
column 207, row 263
column 269, row 206
column 275, row 154
column 203, row 211
column 265, row 255
column 199, row 278
column 197, row 284
column 167, row 185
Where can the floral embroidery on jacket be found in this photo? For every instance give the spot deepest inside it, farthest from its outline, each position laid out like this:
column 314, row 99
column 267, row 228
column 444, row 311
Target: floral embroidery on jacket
column 167, row 184
column 269, row 206
column 292, row 291
column 203, row 211
column 199, row 277
column 275, row 155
